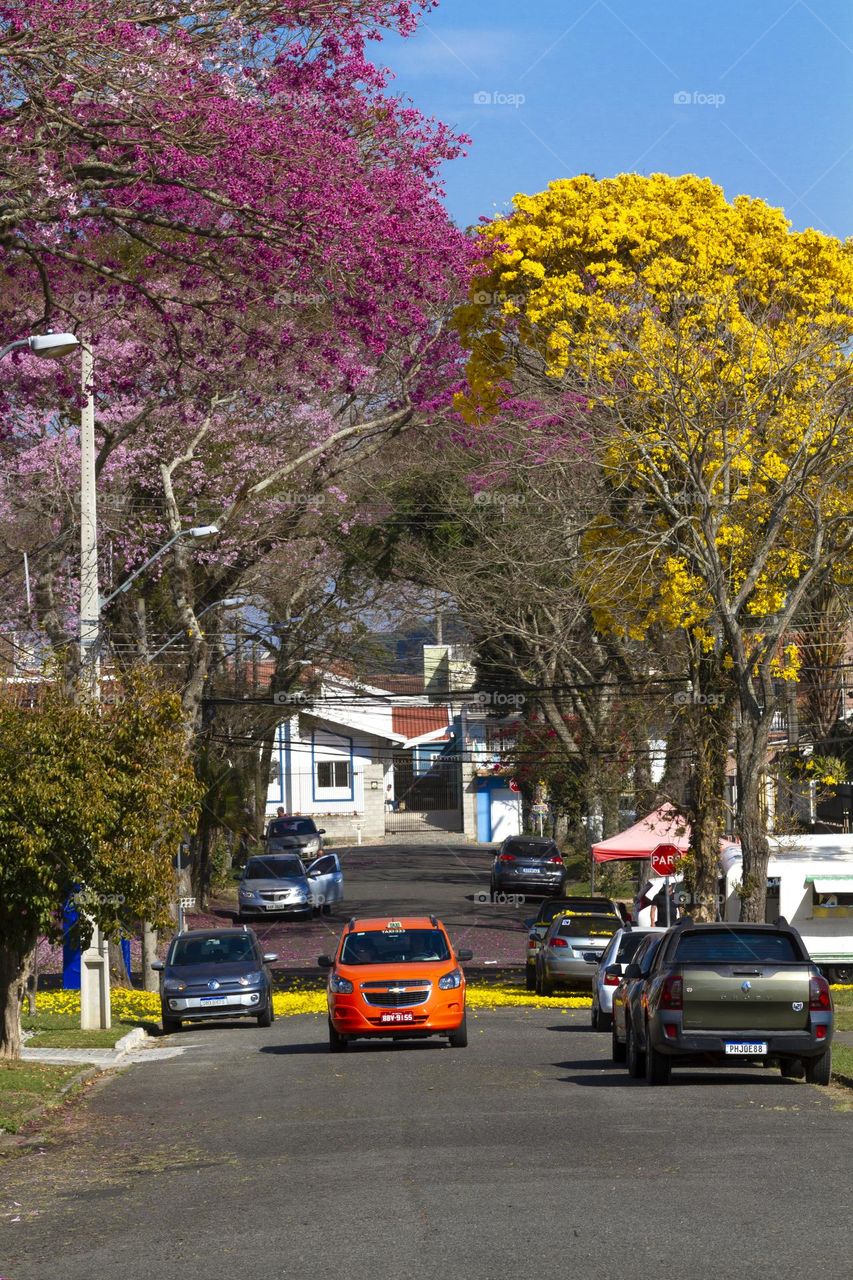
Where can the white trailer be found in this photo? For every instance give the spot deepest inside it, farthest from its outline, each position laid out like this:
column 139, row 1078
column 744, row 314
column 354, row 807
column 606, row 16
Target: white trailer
column 810, row 883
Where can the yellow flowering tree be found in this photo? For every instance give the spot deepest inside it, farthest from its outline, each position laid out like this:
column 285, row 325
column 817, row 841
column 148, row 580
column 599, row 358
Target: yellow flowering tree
column 699, row 348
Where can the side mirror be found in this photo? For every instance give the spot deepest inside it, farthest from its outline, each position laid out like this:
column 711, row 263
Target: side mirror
column 613, row 971
column 270, row 956
column 321, row 831
column 325, row 962
column 312, row 875
column 591, row 957
column 633, row 971
column 464, row 953
column 158, row 966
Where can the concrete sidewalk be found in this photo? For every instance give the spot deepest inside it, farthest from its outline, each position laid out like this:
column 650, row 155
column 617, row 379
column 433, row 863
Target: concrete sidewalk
column 134, row 1039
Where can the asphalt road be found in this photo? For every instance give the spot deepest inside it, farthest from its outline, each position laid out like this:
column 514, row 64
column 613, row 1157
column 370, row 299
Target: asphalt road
column 449, row 878
column 256, row 1153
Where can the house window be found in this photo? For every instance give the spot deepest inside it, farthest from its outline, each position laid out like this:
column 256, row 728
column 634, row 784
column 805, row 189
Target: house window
column 333, row 774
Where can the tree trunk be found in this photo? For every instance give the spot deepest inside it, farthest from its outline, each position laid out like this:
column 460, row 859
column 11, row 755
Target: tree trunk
column 710, row 722
column 150, row 981
column 15, row 969
column 752, row 736
column 119, row 976
column 201, row 868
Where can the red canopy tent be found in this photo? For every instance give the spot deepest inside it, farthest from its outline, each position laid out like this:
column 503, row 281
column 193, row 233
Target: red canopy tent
column 664, row 826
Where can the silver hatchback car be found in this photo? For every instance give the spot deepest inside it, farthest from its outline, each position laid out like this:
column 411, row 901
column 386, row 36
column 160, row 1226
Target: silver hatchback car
column 608, row 971
column 570, row 939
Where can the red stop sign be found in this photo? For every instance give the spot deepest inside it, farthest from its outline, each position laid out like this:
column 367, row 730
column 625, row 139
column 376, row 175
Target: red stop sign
column 664, row 859
column 513, row 785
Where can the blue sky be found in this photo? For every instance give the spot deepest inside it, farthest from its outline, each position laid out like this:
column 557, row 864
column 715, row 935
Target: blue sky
column 571, row 86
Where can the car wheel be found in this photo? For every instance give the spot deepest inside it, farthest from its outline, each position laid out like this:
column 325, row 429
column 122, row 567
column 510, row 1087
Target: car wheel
column 818, row 1070
column 658, row 1066
column 458, row 1039
column 493, row 892
column 593, row 1017
column 326, row 908
column 617, row 1047
column 337, row 1043
column 546, row 986
column 791, row 1069
column 634, row 1056
column 267, row 1018
column 605, row 1020
column 841, row 974
column 171, row 1025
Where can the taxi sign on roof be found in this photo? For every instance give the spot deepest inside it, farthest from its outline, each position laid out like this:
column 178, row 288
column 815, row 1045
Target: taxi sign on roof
column 393, row 926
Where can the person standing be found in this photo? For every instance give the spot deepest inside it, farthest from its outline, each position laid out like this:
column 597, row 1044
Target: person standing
column 659, row 917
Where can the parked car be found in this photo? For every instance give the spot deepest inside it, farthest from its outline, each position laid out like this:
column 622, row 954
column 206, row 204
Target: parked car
column 280, row 884
column 569, row 939
column 609, row 970
column 623, row 1007
column 397, row 979
column 290, row 832
column 550, row 908
column 732, row 993
column 215, row 973
column 529, row 865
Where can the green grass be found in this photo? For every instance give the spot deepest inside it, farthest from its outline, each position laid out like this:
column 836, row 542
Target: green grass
column 843, row 1018
column 26, row 1086
column 842, row 1061
column 62, row 1031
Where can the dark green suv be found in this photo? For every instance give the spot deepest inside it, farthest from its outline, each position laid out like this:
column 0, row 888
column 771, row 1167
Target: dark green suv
column 725, row 994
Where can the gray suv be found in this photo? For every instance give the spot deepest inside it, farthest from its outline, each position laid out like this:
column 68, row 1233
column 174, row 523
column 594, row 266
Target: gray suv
column 215, row 973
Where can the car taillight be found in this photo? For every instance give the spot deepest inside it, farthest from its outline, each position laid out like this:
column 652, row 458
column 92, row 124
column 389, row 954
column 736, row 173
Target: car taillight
column 531, row 942
column 820, row 999
column 558, row 942
column 671, row 993
column 507, row 857
column 557, row 859
column 611, row 980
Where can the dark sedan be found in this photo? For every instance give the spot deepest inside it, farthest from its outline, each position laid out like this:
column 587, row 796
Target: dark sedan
column 290, row 832
column 528, row 865
column 215, row 973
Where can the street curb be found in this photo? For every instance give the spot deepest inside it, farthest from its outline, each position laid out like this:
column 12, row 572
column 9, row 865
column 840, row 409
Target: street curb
column 137, row 1036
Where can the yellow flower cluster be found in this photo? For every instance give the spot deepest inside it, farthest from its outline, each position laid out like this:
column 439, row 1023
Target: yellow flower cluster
column 715, row 338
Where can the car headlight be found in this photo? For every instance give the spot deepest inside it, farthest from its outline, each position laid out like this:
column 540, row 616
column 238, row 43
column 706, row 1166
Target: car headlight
column 247, row 893
column 174, row 985
column 342, row 986
column 251, row 979
column 450, row 980
column 312, row 846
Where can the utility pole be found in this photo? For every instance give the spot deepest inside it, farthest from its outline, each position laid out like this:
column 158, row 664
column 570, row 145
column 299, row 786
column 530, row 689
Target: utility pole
column 90, row 600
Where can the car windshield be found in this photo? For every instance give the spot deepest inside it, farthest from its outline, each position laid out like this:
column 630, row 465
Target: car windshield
column 273, row 868
column 628, row 945
column 395, row 946
column 733, row 947
column 229, row 948
column 530, row 849
column 291, row 827
column 588, row 927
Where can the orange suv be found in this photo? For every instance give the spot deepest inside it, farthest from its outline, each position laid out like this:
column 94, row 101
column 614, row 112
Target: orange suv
column 396, row 978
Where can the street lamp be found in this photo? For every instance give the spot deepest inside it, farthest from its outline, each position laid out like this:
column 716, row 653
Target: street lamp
column 49, row 346
column 199, row 531
column 230, row 602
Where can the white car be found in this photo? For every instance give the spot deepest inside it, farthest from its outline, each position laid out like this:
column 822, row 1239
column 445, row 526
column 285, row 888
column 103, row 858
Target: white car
column 618, row 953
